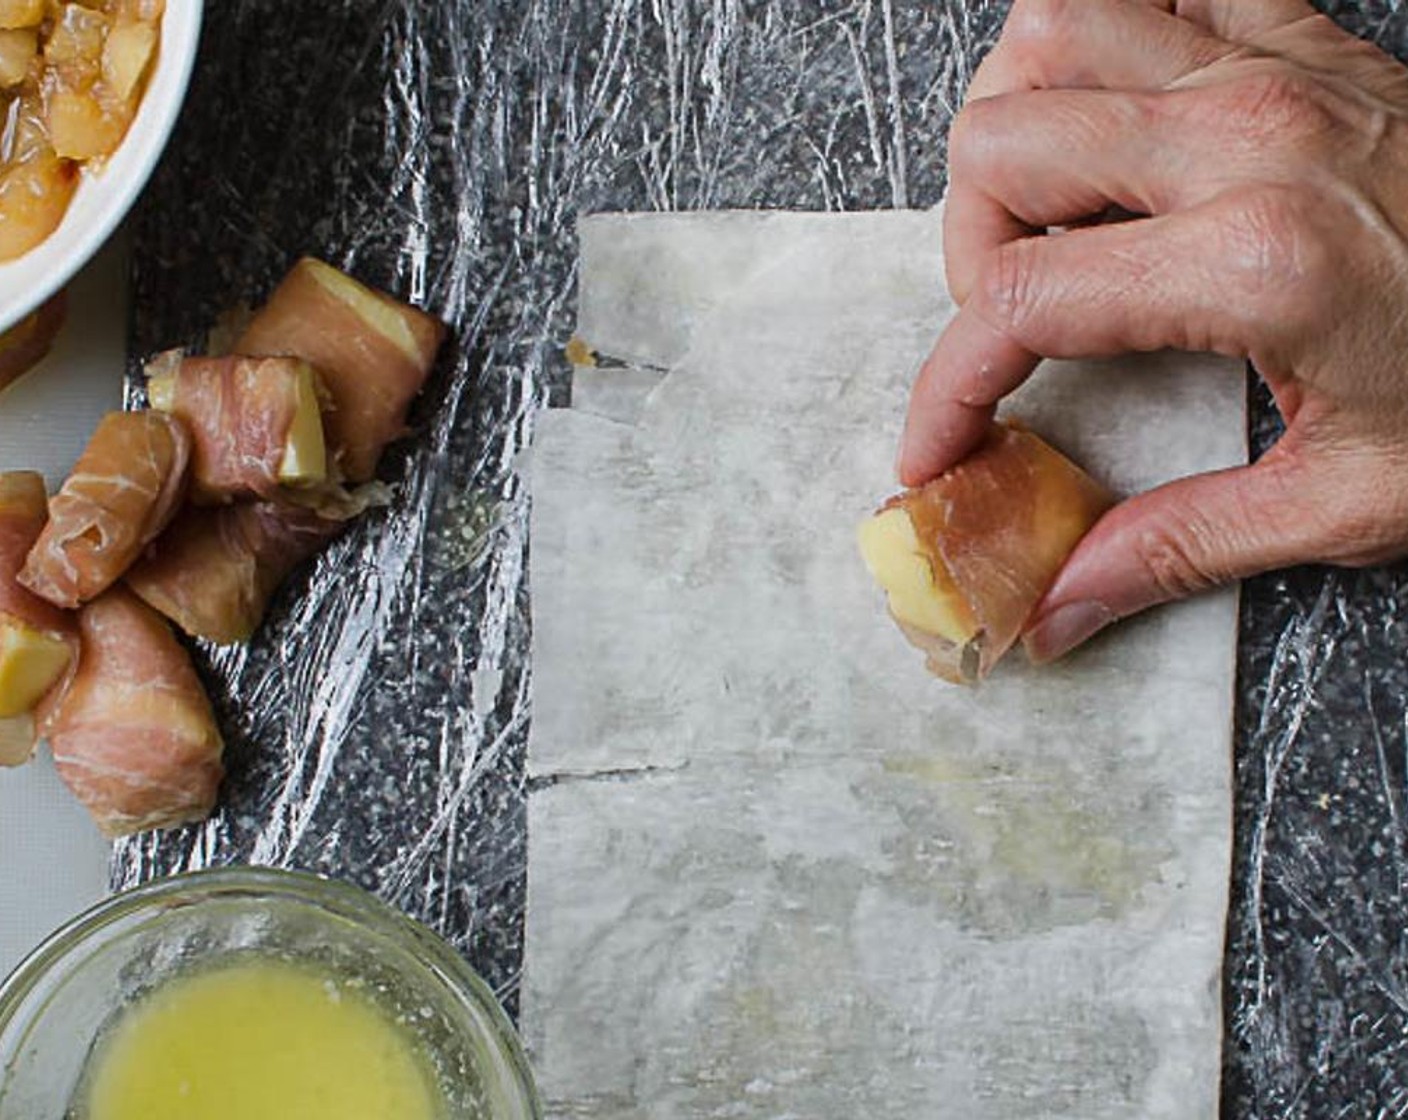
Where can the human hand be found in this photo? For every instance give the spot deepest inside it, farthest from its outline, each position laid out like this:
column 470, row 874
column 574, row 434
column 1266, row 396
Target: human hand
column 1264, row 153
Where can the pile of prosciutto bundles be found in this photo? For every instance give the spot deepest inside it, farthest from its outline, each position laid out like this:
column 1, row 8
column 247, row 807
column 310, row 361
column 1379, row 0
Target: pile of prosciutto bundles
column 192, row 513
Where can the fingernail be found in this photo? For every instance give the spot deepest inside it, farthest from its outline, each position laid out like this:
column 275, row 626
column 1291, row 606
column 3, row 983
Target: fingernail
column 1065, row 628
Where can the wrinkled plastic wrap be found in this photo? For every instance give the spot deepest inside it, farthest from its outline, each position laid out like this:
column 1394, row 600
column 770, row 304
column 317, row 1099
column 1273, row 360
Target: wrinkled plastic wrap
column 442, row 148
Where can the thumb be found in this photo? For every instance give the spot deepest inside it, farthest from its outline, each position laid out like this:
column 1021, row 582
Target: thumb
column 1183, row 538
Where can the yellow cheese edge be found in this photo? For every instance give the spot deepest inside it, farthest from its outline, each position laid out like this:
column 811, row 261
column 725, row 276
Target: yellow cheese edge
column 161, row 392
column 918, row 596
column 31, row 663
column 305, row 460
column 377, row 311
column 17, row 740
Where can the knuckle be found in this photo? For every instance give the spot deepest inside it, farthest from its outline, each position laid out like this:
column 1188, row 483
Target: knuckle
column 1272, row 243
column 1277, row 106
column 1039, row 22
column 1037, row 31
column 1007, row 284
column 1035, row 21
column 970, row 138
column 1172, row 556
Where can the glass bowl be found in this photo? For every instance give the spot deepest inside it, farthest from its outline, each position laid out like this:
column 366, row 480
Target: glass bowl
column 56, row 1005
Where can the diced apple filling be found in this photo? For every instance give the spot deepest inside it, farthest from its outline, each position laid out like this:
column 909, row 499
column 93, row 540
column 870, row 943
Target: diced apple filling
column 82, row 128
column 33, row 198
column 73, row 76
column 76, row 42
column 17, row 51
column 129, row 50
column 26, row 132
column 21, row 13
column 149, row 10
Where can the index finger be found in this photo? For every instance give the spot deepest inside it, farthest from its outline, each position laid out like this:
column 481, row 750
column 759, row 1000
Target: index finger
column 1094, row 44
column 1140, row 286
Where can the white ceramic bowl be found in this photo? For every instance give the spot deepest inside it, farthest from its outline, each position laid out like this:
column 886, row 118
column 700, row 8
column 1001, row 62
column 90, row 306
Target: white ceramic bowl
column 104, row 197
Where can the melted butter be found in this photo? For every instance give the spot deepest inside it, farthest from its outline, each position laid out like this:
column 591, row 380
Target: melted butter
column 257, row 1041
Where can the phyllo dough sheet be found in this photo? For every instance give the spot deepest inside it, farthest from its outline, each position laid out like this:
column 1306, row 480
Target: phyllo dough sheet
column 775, row 868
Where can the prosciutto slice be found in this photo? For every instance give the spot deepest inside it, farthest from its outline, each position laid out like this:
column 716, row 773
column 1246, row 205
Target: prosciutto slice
column 242, row 414
column 24, row 509
column 215, row 570
column 132, row 734
column 999, row 526
column 124, row 489
column 374, row 354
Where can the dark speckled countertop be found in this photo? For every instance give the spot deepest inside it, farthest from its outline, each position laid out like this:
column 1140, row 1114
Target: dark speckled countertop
column 442, row 149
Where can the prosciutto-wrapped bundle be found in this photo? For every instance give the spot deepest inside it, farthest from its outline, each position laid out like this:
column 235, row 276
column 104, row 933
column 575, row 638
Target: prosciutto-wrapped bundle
column 374, row 354
column 37, row 641
column 215, row 570
column 132, row 734
column 256, row 424
column 965, row 559
column 24, row 344
column 124, row 490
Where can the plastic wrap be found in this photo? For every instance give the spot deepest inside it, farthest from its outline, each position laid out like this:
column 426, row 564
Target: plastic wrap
column 442, row 149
